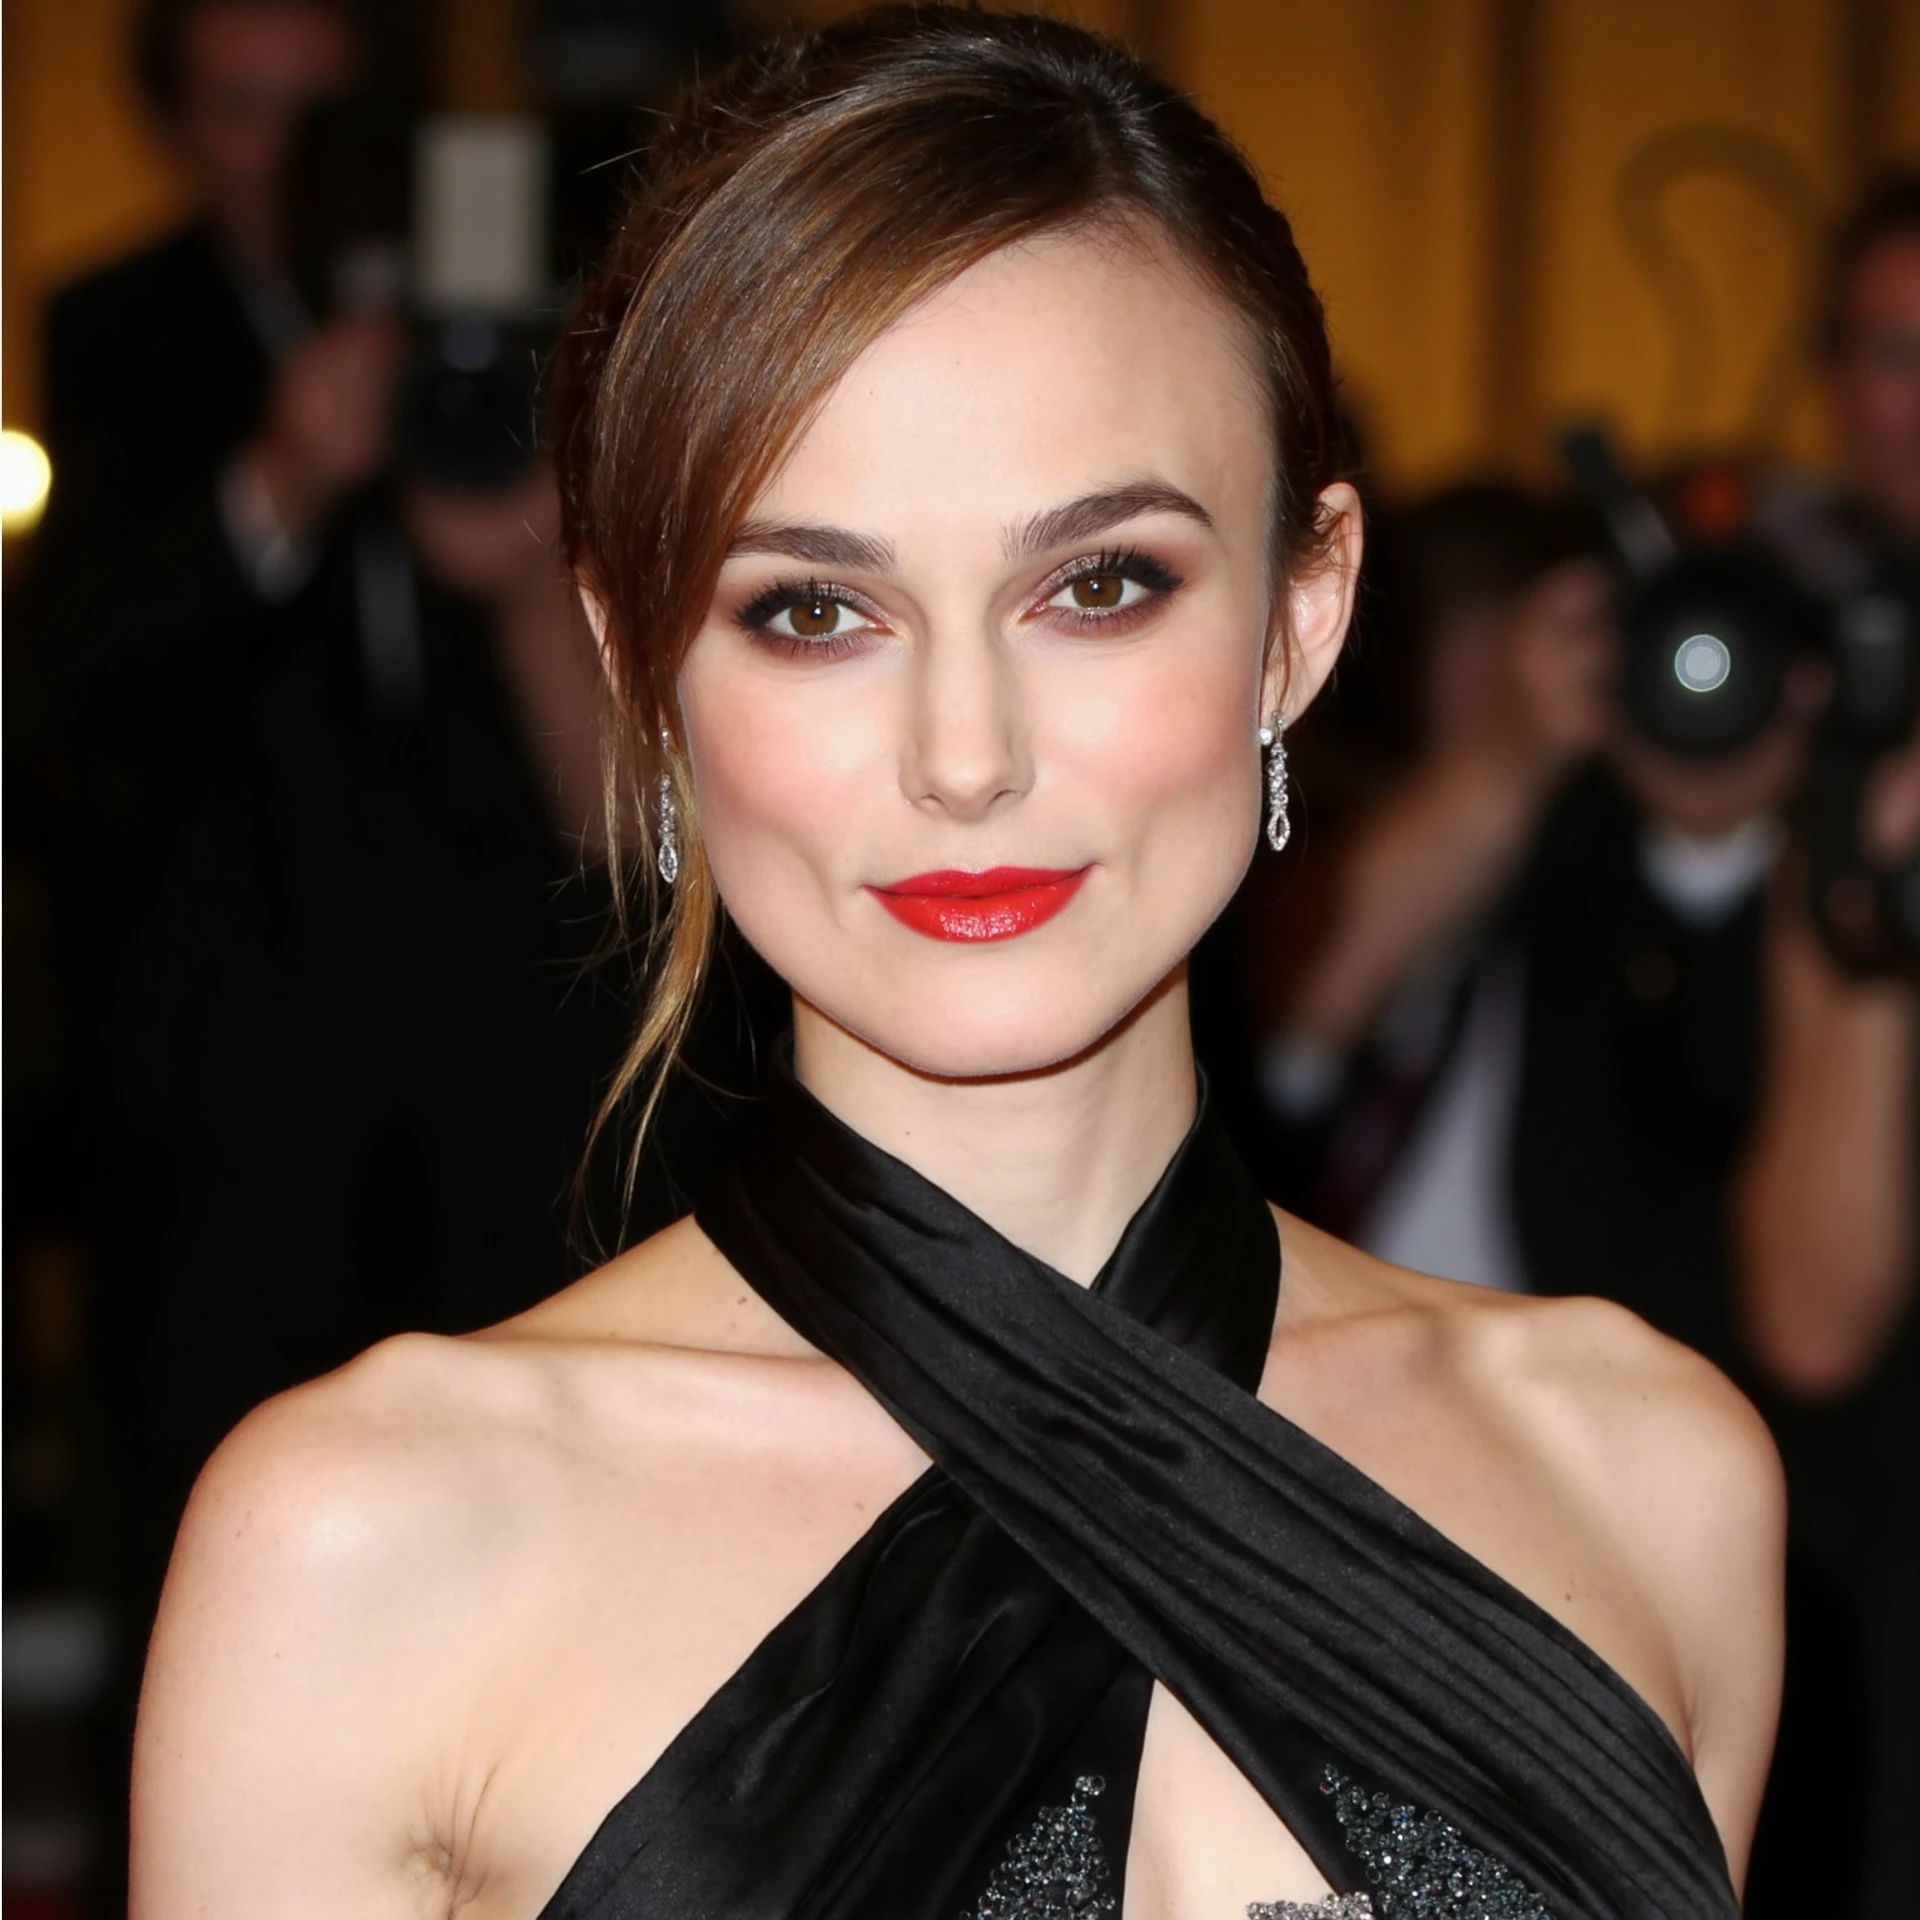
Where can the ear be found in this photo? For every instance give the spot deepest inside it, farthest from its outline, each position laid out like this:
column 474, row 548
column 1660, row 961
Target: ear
column 1315, row 609
column 595, row 609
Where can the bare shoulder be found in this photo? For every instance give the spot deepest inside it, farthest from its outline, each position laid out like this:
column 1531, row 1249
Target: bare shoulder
column 400, row 1560
column 383, row 1464
column 1655, row 1439
column 1642, row 1423
column 338, row 1579
column 353, row 1540
column 1611, row 1473
column 427, row 1458
column 1644, row 1418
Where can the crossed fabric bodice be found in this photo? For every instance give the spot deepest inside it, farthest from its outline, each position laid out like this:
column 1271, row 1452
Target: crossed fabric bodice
column 950, row 1724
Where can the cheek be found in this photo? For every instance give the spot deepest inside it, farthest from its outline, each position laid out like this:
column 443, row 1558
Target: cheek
column 1173, row 752
column 1145, row 762
column 781, row 763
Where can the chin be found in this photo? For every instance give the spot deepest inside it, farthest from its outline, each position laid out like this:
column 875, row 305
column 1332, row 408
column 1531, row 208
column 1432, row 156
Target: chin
column 993, row 1026
column 997, row 1009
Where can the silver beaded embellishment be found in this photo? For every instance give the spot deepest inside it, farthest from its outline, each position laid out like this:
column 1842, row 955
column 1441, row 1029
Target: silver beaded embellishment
column 1279, row 826
column 666, row 832
column 1420, row 1866
column 1057, row 1869
column 1331, row 1906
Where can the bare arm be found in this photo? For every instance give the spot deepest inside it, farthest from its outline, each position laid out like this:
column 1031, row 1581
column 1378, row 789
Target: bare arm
column 1824, row 1205
column 1714, row 1513
column 1422, row 868
column 1442, row 848
column 1683, row 1475
column 328, row 424
column 285, row 1762
column 1609, row 1472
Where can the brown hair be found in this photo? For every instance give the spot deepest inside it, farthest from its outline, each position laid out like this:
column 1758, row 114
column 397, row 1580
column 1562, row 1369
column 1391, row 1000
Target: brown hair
column 790, row 211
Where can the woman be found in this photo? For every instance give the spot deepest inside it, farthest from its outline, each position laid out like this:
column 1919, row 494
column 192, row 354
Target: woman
column 960, row 1515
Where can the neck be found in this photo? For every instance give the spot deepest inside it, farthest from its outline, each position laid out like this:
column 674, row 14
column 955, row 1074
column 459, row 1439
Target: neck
column 1058, row 1161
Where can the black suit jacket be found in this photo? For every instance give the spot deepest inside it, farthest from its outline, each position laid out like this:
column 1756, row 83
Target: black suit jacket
column 154, row 372
column 155, row 377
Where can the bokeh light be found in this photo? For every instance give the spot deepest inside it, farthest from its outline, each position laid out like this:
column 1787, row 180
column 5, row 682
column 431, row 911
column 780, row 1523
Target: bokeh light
column 25, row 476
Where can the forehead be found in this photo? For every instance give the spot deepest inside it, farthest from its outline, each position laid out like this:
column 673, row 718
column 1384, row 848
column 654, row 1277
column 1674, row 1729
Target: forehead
column 1050, row 368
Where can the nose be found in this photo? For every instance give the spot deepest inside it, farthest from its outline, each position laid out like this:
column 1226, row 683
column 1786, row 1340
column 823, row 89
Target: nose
column 966, row 748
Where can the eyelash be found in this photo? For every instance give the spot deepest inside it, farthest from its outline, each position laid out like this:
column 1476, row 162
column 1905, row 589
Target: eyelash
column 1128, row 563
column 760, row 611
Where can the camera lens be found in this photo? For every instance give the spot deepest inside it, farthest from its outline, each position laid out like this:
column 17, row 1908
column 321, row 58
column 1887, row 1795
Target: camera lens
column 1708, row 648
column 469, row 405
column 1703, row 663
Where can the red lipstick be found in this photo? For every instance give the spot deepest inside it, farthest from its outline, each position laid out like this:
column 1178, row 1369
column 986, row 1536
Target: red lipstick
column 994, row 905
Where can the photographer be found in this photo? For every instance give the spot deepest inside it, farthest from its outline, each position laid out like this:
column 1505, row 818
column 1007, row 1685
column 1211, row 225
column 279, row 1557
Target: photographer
column 212, row 450
column 1538, row 952
column 1508, row 643
column 204, row 430
column 1827, row 1200
column 1826, row 1242
column 1584, row 991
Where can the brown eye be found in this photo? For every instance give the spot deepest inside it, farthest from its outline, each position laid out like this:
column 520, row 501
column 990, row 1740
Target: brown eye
column 1094, row 590
column 1112, row 585
column 814, row 619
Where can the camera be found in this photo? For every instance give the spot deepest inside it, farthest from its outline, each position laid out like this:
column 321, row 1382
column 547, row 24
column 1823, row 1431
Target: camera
column 1868, row 913
column 443, row 220
column 1713, row 633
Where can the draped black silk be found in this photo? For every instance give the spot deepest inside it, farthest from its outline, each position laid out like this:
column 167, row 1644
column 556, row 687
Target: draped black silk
column 1111, row 1503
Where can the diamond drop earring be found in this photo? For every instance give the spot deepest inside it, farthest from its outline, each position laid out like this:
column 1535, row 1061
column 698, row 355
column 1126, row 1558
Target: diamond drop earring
column 1279, row 826
column 666, row 830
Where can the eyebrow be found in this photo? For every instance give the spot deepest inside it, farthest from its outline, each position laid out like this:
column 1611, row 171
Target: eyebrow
column 1095, row 513
column 817, row 545
column 1085, row 518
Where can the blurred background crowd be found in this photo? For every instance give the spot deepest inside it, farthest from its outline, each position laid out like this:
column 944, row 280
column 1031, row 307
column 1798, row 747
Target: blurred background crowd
column 1592, row 966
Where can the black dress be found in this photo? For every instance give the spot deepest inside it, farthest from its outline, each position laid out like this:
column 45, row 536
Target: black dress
column 950, row 1724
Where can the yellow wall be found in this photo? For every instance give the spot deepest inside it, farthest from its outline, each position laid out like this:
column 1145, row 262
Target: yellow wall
column 1370, row 122
column 1615, row 77
column 1450, row 165
column 1462, row 222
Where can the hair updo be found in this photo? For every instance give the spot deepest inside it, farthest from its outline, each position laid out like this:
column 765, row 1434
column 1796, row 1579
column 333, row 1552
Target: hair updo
column 789, row 212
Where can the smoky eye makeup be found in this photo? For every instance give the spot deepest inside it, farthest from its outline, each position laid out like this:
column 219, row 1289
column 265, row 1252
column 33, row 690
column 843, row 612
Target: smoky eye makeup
column 1109, row 591
column 807, row 619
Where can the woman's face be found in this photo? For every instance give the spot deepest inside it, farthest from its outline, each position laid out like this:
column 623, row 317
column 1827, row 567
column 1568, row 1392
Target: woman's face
column 973, row 716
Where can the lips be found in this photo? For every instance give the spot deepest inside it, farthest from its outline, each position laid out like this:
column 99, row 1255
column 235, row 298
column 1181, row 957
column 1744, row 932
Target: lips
column 997, row 904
